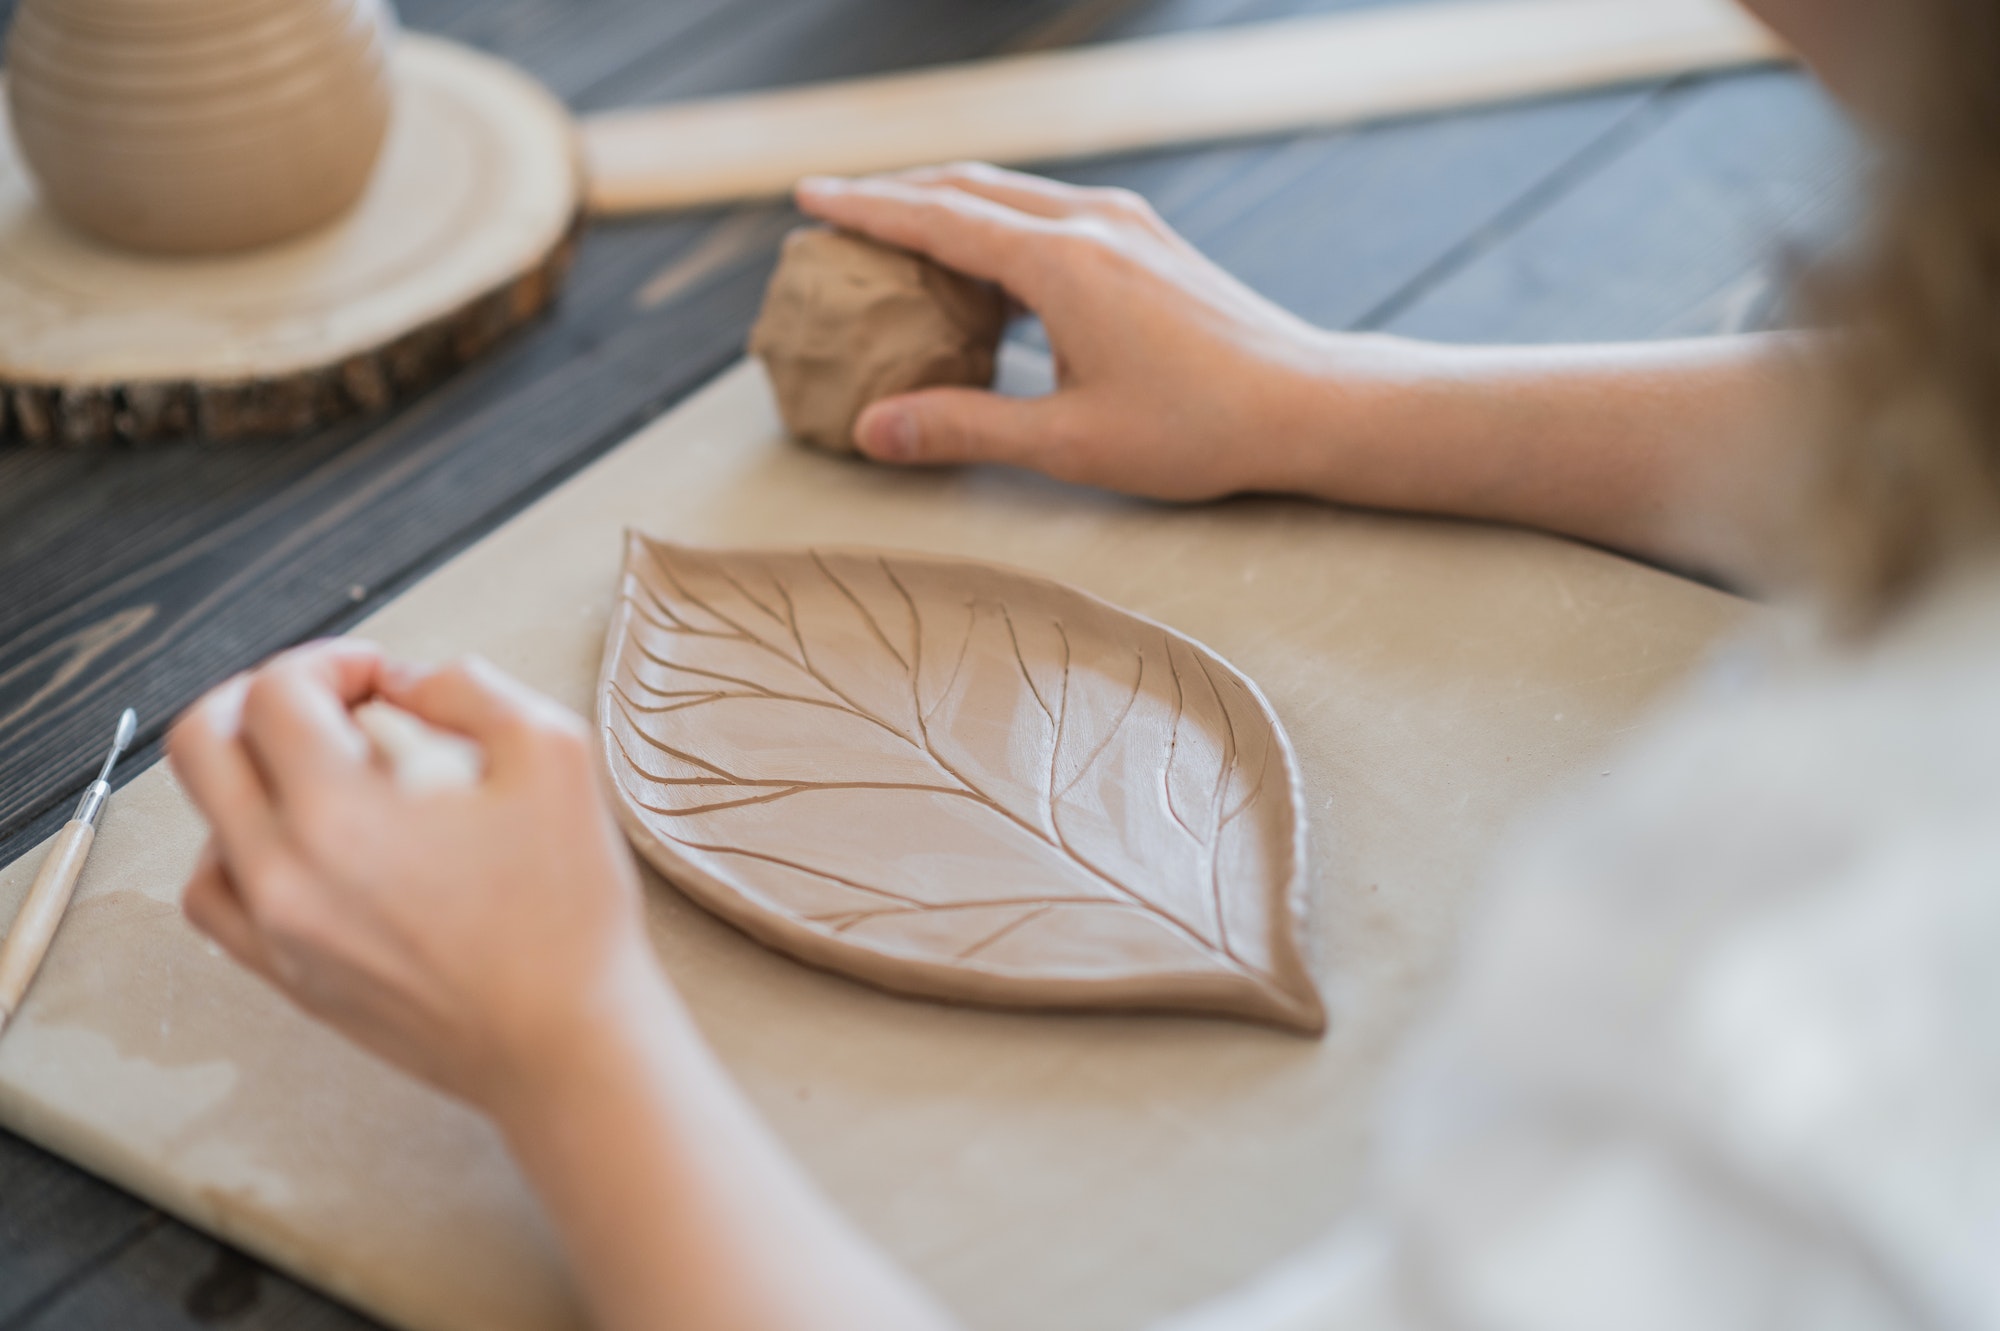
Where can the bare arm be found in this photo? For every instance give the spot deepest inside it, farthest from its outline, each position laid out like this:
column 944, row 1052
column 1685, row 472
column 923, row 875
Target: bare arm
column 1176, row 381
column 677, row 1206
column 1683, row 452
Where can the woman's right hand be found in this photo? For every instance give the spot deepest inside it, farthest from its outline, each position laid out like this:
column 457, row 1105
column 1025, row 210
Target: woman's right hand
column 1174, row 380
column 473, row 936
column 489, row 938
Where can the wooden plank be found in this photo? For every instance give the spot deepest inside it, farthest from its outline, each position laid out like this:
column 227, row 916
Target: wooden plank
column 56, row 1223
column 320, row 540
column 572, row 47
column 173, row 1279
column 610, row 52
column 1330, row 226
column 1692, row 231
column 1189, row 87
column 798, row 43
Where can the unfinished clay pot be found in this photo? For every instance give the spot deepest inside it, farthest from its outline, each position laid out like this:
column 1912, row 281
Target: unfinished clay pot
column 199, row 126
column 847, row 321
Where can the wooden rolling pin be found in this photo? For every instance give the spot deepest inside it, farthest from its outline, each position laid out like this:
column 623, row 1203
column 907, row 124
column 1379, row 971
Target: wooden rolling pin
column 1307, row 73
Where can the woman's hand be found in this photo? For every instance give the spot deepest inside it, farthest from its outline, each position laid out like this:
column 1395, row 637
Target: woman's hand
column 1174, row 380
column 467, row 935
column 489, row 940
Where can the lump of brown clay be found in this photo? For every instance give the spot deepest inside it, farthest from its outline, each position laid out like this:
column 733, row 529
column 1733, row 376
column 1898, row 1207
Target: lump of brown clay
column 847, row 321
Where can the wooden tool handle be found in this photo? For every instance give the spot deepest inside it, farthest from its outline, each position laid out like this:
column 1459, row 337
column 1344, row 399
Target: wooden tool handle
column 35, row 925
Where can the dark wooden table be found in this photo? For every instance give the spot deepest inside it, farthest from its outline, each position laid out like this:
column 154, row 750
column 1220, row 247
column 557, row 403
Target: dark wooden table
column 140, row 577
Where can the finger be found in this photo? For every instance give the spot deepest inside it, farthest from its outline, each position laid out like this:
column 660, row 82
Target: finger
column 1037, row 195
column 505, row 717
column 963, row 231
column 297, row 723
column 946, row 425
column 205, row 751
column 213, row 906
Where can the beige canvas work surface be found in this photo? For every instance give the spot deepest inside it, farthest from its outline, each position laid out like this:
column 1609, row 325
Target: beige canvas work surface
column 1043, row 1172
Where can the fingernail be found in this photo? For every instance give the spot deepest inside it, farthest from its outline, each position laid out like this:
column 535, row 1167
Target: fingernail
column 822, row 185
column 888, row 433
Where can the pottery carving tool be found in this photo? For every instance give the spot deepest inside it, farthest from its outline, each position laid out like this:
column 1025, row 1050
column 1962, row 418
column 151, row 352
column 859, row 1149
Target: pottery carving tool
column 42, row 910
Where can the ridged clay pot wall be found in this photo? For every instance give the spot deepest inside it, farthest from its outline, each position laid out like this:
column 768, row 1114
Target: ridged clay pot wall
column 200, row 126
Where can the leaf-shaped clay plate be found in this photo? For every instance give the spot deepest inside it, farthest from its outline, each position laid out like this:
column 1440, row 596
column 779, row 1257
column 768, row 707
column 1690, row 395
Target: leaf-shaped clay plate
column 957, row 781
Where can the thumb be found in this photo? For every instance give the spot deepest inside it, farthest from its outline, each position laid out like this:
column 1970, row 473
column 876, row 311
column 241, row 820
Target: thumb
column 942, row 425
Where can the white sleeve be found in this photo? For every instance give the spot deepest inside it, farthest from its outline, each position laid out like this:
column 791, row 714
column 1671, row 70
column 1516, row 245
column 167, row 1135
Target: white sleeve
column 1736, row 1080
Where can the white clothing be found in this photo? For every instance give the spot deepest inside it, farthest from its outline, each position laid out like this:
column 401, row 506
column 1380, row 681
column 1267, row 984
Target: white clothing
column 1723, row 1048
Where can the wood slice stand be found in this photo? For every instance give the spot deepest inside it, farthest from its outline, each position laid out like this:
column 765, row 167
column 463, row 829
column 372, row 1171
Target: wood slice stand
column 464, row 234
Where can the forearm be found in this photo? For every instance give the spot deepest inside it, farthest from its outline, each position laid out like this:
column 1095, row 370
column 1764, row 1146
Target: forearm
column 677, row 1207
column 1686, row 452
